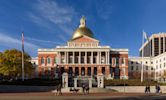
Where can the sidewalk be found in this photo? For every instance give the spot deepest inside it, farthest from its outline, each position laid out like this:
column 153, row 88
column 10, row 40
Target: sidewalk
column 78, row 94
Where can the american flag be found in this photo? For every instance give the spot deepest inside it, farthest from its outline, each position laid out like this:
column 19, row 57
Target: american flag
column 23, row 41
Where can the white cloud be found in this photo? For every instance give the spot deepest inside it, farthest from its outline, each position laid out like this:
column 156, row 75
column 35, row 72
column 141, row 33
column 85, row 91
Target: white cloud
column 55, row 13
column 11, row 42
column 49, row 13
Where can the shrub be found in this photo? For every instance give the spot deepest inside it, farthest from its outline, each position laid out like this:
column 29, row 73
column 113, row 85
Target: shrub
column 131, row 82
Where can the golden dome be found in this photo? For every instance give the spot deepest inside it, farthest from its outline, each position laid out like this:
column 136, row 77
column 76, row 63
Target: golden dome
column 82, row 30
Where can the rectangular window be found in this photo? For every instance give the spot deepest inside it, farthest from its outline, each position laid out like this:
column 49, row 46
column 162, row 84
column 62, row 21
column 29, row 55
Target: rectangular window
column 42, row 61
column 48, row 60
column 54, row 60
column 151, row 68
column 70, row 59
column 82, row 59
column 123, row 60
column 117, row 61
column 156, row 46
column 132, row 68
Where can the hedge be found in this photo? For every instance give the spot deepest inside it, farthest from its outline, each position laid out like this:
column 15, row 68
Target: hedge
column 32, row 82
column 131, row 82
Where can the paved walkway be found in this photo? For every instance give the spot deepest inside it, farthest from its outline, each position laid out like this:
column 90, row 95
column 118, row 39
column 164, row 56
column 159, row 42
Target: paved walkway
column 79, row 96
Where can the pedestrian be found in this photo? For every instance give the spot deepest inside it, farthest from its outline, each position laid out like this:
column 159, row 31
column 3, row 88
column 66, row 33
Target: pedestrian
column 148, row 89
column 158, row 89
column 59, row 92
column 83, row 89
column 60, row 89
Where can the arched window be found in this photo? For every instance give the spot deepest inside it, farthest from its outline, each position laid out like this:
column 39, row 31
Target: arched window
column 48, row 60
column 42, row 60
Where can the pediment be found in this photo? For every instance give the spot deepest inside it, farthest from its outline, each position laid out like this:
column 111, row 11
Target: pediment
column 84, row 39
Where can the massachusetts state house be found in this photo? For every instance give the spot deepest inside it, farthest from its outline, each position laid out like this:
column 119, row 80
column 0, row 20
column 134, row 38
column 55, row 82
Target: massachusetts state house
column 83, row 56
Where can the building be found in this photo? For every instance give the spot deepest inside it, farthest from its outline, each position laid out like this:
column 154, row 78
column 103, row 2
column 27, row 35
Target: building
column 83, row 56
column 34, row 62
column 135, row 67
column 154, row 60
column 155, row 46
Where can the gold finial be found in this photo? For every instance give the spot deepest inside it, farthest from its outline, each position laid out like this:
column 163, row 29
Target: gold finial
column 82, row 21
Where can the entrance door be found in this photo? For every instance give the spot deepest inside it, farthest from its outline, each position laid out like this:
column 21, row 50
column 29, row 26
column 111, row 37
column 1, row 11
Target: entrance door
column 70, row 72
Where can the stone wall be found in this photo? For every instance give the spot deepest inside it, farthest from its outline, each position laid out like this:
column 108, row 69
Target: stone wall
column 15, row 88
column 135, row 89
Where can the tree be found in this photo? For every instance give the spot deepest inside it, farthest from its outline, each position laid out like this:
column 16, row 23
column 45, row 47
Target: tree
column 11, row 63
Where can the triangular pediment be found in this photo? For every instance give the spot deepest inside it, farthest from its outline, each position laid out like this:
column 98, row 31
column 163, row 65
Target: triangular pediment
column 84, row 39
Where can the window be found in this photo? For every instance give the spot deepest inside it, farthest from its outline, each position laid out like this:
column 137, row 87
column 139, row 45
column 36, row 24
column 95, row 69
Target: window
column 117, row 61
column 132, row 68
column 156, row 67
column 131, row 62
column 55, row 60
column 146, row 67
column 164, row 64
column 123, row 61
column 151, row 68
column 151, row 62
column 146, row 62
column 42, row 60
column 48, row 60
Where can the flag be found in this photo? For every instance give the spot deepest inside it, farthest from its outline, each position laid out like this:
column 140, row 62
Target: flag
column 145, row 35
column 23, row 41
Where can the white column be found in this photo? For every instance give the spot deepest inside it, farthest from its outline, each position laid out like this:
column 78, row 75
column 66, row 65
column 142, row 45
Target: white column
column 75, row 82
column 59, row 56
column 106, row 57
column 98, row 57
column 90, row 83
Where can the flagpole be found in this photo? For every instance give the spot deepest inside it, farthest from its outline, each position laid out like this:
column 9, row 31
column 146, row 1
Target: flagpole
column 142, row 73
column 22, row 56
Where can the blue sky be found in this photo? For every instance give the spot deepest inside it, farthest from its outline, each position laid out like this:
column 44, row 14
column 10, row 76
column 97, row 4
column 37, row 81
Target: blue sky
column 48, row 23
